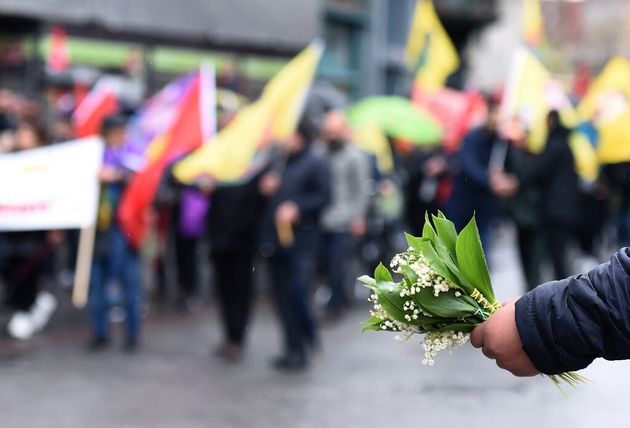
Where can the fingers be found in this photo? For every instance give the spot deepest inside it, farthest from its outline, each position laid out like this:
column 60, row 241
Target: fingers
column 521, row 367
column 476, row 336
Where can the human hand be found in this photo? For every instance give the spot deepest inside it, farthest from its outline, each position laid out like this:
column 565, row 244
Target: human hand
column 55, row 237
column 270, row 183
column 503, row 185
column 358, row 227
column 499, row 340
column 287, row 213
column 434, row 166
column 206, row 184
column 108, row 174
column 386, row 187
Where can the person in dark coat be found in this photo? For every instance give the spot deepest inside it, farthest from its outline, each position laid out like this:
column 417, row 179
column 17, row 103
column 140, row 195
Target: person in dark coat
column 234, row 223
column 298, row 195
column 563, row 325
column 425, row 171
column 522, row 205
column 472, row 192
column 554, row 172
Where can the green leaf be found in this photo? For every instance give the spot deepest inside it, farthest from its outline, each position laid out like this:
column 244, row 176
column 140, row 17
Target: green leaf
column 463, row 327
column 427, row 230
column 446, row 305
column 414, row 242
column 372, row 324
column 451, row 263
column 446, row 232
column 427, row 323
column 382, row 274
column 472, row 261
column 388, row 294
column 410, row 275
column 368, row 282
column 435, row 261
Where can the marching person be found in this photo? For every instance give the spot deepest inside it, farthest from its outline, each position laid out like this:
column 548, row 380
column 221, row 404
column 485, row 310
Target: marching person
column 472, row 190
column 553, row 172
column 344, row 218
column 234, row 229
column 114, row 258
column 521, row 205
column 298, row 195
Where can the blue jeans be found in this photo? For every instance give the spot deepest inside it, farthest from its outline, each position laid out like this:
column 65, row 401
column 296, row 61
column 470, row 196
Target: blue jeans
column 292, row 271
column 335, row 252
column 120, row 263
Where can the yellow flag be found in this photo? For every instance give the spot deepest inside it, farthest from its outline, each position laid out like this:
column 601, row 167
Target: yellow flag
column 371, row 139
column 274, row 116
column 430, row 50
column 533, row 23
column 584, row 156
column 614, row 140
column 530, row 94
column 288, row 90
column 607, row 104
column 615, row 78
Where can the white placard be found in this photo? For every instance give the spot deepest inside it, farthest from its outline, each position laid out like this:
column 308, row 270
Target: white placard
column 53, row 187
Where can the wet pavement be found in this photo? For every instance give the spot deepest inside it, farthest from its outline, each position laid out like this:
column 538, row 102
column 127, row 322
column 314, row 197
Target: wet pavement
column 360, row 380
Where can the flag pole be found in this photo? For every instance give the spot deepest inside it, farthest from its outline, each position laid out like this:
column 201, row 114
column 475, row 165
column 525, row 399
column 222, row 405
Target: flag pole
column 83, row 267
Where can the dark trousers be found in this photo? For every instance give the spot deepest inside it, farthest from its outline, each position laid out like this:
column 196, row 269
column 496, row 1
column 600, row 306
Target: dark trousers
column 335, row 252
column 187, row 265
column 120, row 263
column 530, row 248
column 234, row 285
column 292, row 271
column 558, row 236
column 72, row 243
column 22, row 275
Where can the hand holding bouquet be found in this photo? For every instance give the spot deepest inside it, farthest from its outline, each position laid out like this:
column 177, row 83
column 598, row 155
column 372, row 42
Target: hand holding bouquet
column 444, row 290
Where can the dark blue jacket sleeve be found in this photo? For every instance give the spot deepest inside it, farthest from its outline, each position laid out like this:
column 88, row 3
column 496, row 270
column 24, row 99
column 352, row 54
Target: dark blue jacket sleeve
column 470, row 163
column 317, row 191
column 542, row 165
column 564, row 325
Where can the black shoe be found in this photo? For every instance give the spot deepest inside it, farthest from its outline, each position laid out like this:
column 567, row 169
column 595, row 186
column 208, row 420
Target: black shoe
column 131, row 345
column 97, row 344
column 290, row 363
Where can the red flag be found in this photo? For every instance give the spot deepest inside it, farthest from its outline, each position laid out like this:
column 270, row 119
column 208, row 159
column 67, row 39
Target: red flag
column 95, row 107
column 581, row 81
column 58, row 58
column 185, row 135
column 457, row 111
column 81, row 91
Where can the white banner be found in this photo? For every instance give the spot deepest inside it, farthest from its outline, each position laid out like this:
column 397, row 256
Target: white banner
column 53, row 187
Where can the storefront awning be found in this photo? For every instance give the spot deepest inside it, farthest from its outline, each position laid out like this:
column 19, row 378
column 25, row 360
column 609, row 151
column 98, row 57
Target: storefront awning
column 262, row 25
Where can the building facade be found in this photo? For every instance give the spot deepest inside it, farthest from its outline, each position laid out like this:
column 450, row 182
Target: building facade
column 365, row 39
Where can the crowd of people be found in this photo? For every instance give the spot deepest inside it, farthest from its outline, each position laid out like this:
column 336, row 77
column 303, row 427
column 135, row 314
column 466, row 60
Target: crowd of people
column 319, row 203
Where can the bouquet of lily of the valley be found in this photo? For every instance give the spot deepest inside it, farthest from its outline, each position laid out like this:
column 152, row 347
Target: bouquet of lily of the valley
column 444, row 290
